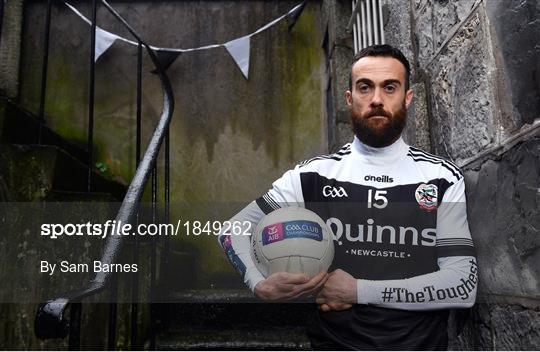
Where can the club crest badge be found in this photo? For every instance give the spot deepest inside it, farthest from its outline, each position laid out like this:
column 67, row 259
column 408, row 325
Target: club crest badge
column 426, row 196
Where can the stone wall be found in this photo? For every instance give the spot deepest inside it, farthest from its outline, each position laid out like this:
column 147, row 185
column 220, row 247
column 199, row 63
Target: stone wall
column 475, row 73
column 479, row 62
column 338, row 47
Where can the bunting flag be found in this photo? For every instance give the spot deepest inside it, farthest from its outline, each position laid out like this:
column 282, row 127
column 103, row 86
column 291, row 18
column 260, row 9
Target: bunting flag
column 295, row 13
column 238, row 49
column 166, row 58
column 104, row 40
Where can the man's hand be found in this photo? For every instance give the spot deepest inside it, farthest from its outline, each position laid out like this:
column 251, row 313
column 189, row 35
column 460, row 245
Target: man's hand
column 338, row 293
column 287, row 286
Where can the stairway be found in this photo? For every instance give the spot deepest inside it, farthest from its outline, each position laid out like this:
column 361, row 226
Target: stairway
column 231, row 319
column 54, row 173
column 56, row 166
column 39, row 183
column 224, row 315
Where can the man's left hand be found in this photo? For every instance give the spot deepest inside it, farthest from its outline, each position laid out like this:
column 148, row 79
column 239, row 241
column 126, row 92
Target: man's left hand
column 338, row 293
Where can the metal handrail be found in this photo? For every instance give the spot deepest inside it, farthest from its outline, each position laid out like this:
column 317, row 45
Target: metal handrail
column 50, row 321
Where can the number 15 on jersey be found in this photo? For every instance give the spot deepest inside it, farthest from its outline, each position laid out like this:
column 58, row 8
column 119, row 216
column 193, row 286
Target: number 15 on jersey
column 377, row 199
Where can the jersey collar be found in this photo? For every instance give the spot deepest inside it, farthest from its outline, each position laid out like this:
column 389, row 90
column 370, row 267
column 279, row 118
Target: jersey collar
column 380, row 156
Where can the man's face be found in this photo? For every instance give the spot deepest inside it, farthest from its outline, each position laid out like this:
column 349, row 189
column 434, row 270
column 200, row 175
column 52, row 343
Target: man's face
column 378, row 102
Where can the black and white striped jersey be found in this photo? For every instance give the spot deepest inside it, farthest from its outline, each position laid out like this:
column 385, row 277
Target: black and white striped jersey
column 398, row 216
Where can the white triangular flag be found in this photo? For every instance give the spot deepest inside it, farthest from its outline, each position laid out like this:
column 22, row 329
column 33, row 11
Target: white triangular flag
column 104, row 40
column 239, row 50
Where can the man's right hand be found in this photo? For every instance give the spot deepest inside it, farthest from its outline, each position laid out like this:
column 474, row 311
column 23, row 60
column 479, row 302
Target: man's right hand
column 285, row 286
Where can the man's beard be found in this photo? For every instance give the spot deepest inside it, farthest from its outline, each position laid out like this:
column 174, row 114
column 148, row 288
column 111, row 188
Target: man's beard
column 382, row 136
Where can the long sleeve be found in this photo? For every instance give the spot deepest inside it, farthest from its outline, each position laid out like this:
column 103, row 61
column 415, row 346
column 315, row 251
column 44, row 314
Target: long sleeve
column 237, row 247
column 284, row 192
column 454, row 285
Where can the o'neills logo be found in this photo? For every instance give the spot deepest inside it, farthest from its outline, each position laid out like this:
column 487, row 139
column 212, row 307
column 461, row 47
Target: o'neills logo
column 383, row 178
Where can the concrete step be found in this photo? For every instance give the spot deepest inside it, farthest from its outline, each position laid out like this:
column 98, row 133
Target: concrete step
column 270, row 338
column 19, row 126
column 66, row 196
column 214, row 296
column 231, row 319
column 31, row 172
column 232, row 309
column 246, row 315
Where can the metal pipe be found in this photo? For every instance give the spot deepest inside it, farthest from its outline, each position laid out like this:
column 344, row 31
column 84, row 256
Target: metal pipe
column 134, row 297
column 167, row 197
column 368, row 24
column 355, row 10
column 111, row 339
column 364, row 30
column 44, row 69
column 136, row 245
column 139, row 104
column 165, row 253
column 167, row 175
column 134, row 300
column 381, row 22
column 74, row 342
column 355, row 35
column 91, row 95
column 358, row 25
column 373, row 11
column 153, row 263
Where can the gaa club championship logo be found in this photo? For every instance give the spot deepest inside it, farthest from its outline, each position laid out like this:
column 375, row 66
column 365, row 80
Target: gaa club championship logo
column 292, row 229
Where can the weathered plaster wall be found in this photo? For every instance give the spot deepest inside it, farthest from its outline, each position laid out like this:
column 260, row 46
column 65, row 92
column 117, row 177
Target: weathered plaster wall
column 230, row 137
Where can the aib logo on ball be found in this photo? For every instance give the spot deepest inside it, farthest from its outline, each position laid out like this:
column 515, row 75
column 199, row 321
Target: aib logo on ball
column 272, row 233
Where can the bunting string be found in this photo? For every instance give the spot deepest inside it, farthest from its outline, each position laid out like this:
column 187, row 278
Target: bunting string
column 238, row 49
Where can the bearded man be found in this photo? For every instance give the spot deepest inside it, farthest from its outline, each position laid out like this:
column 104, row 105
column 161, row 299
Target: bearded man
column 403, row 251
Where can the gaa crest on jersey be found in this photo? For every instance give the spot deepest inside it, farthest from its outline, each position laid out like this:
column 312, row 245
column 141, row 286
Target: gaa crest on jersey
column 426, row 196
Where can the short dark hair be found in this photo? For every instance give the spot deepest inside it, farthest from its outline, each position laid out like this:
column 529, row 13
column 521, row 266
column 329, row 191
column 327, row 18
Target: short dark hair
column 384, row 50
